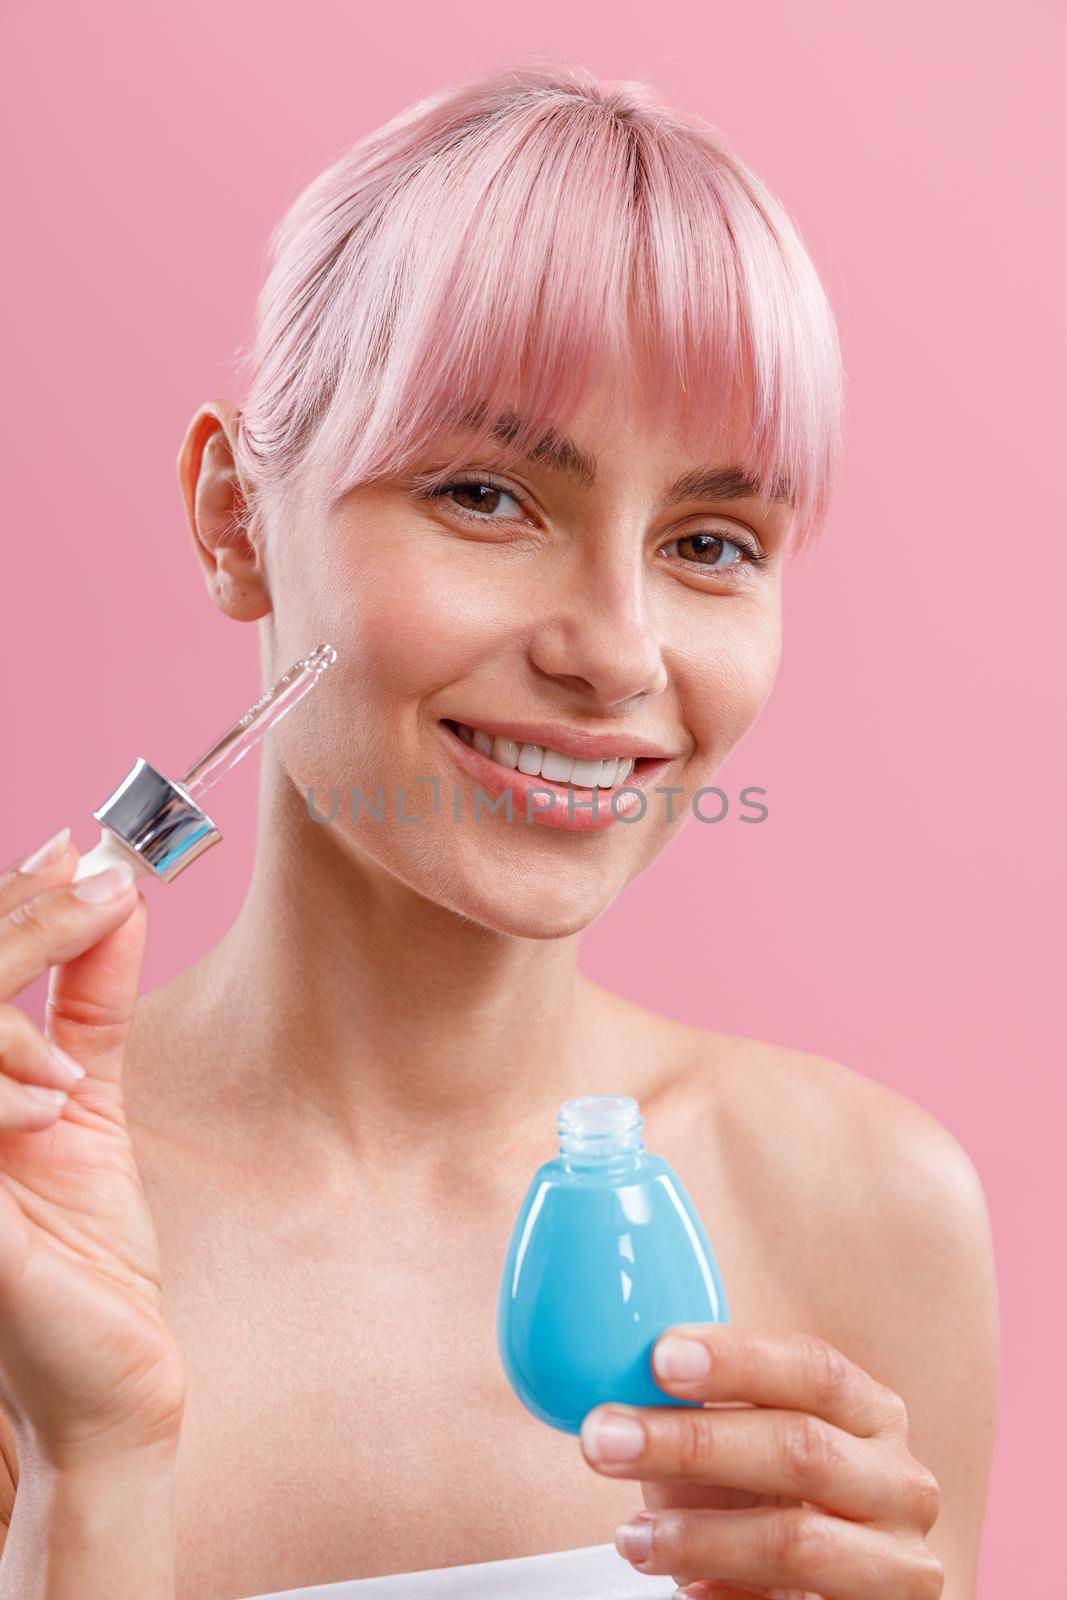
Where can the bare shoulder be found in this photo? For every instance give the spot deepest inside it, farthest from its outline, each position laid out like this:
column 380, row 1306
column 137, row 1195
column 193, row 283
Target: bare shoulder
column 840, row 1148
column 877, row 1207
column 841, row 1183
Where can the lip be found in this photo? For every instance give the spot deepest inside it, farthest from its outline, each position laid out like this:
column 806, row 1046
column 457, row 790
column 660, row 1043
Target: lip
column 578, row 817
column 571, row 741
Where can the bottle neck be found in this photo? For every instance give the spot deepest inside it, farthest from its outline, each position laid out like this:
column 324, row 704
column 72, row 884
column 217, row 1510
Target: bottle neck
column 600, row 1130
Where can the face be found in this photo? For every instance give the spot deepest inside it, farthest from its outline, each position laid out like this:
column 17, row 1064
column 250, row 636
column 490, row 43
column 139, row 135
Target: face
column 528, row 617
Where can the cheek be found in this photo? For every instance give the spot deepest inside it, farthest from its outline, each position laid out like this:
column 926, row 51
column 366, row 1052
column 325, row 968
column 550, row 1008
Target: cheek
column 729, row 673
column 409, row 615
column 419, row 614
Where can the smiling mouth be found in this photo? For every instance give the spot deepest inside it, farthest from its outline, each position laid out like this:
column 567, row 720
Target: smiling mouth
column 540, row 761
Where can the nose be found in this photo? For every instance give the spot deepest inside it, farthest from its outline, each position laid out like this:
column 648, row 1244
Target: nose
column 597, row 638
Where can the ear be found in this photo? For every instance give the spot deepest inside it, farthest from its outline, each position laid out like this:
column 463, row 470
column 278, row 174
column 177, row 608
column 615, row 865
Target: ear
column 216, row 507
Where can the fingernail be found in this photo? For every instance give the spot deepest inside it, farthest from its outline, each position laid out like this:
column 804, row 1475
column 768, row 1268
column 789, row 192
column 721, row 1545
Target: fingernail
column 106, row 885
column 68, row 1063
column 692, row 1591
column 51, row 850
column 613, row 1437
column 678, row 1359
column 634, row 1539
column 53, row 1097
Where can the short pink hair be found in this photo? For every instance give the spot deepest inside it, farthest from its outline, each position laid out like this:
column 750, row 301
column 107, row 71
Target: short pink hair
column 496, row 248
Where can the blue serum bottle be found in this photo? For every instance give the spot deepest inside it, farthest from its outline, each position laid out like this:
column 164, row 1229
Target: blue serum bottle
column 607, row 1252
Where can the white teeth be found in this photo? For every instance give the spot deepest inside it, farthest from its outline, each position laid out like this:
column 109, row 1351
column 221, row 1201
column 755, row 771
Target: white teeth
column 564, row 769
column 506, row 751
column 586, row 774
column 537, row 761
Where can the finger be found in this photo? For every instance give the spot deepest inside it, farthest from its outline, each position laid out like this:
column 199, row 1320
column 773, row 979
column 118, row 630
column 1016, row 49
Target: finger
column 701, row 1590
column 59, row 923
column 768, row 1547
column 797, row 1371
column 760, row 1449
column 52, row 863
column 91, row 1000
column 716, row 1591
column 25, row 1107
column 705, row 1589
column 26, row 1055
column 704, row 1496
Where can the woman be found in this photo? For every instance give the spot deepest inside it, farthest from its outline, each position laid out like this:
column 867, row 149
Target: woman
column 544, row 391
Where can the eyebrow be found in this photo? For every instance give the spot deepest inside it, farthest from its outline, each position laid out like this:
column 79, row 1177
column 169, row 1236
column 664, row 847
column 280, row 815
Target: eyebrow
column 702, row 483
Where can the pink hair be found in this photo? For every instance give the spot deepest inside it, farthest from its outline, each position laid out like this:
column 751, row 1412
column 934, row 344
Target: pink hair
column 497, row 247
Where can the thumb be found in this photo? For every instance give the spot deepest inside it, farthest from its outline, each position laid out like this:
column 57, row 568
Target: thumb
column 91, row 1000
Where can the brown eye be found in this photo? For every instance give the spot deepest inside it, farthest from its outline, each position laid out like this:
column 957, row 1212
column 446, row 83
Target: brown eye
column 475, row 499
column 477, row 496
column 729, row 560
column 707, row 548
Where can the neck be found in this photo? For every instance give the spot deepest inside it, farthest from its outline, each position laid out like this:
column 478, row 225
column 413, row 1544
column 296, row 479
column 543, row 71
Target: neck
column 381, row 1020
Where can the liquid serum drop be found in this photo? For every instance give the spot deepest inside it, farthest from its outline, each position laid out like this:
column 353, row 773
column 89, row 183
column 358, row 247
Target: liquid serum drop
column 156, row 823
column 607, row 1252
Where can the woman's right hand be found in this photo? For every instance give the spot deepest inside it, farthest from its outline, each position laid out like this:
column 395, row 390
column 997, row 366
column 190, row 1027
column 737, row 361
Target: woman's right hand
column 88, row 1368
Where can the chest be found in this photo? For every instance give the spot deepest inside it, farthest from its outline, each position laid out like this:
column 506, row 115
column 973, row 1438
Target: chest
column 347, row 1412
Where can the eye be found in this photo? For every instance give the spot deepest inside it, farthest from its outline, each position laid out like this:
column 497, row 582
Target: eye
column 483, row 494
column 714, row 552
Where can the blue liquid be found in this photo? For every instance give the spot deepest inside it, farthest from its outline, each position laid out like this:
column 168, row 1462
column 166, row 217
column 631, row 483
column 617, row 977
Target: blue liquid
column 606, row 1254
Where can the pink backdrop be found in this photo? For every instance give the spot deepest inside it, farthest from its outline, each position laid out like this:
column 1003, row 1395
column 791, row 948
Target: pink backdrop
column 904, row 899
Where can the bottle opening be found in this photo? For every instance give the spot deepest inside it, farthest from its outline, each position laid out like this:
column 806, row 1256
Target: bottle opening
column 599, row 1126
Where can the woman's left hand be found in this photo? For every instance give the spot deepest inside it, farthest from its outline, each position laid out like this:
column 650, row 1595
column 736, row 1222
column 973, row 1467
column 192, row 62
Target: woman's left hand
column 806, row 1488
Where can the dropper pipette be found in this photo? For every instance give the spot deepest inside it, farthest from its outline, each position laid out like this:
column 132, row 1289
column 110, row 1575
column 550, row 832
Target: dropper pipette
column 157, row 824
column 236, row 742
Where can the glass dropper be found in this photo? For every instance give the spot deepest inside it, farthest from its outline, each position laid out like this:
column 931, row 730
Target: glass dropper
column 158, row 825
column 237, row 741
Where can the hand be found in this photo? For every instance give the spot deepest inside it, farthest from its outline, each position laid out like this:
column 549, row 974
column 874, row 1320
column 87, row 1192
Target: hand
column 805, row 1489
column 87, row 1366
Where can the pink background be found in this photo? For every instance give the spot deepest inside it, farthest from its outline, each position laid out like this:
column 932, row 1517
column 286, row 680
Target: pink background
column 902, row 908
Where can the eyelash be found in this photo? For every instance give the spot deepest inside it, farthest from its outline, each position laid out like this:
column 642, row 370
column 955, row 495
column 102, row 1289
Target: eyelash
column 438, row 491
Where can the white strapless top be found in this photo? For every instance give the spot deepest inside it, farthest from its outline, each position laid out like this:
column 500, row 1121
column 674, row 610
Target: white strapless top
column 593, row 1572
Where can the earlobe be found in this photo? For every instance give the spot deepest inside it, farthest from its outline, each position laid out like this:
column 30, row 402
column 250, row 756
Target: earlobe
column 216, row 508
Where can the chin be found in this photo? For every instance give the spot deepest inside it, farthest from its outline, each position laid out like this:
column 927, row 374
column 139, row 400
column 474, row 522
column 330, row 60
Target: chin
column 523, row 905
column 544, row 921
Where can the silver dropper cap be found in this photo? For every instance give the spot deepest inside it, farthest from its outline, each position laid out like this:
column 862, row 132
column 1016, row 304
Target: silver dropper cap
column 155, row 818
column 156, row 822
